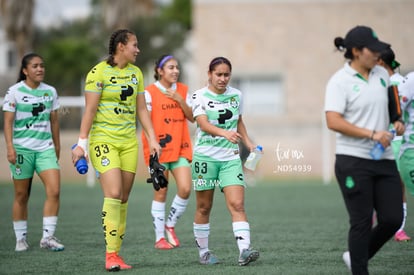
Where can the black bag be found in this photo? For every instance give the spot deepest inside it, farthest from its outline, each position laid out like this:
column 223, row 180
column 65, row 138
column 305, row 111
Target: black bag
column 156, row 170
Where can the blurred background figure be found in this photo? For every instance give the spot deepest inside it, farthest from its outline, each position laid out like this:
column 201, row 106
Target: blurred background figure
column 387, row 60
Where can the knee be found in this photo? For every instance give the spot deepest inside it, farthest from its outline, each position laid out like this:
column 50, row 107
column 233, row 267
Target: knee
column 161, row 195
column 204, row 209
column 184, row 192
column 21, row 197
column 54, row 194
column 237, row 206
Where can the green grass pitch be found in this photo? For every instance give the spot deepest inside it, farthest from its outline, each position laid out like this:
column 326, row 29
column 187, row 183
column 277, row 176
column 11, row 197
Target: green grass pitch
column 299, row 227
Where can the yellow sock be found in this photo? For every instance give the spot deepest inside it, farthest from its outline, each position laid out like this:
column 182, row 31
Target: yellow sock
column 122, row 225
column 111, row 212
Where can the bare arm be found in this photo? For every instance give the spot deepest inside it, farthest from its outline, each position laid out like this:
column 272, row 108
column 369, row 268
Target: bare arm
column 337, row 123
column 399, row 127
column 8, row 136
column 188, row 112
column 145, row 120
column 91, row 105
column 54, row 125
column 209, row 128
column 241, row 129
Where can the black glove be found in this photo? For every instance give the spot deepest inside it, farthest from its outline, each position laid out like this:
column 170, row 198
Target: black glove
column 157, row 178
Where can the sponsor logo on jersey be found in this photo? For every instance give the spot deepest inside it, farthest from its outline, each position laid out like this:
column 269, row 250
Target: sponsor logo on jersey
column 170, row 106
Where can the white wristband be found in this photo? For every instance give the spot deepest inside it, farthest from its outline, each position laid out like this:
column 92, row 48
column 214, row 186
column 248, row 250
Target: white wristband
column 83, row 143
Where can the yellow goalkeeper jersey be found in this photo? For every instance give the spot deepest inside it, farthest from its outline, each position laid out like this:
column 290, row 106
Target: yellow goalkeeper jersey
column 115, row 119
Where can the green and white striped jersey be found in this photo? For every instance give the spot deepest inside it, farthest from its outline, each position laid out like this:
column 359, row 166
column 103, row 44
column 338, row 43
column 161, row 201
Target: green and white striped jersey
column 223, row 111
column 32, row 108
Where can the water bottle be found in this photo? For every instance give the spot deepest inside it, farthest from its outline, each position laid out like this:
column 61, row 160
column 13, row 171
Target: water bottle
column 253, row 158
column 377, row 151
column 81, row 164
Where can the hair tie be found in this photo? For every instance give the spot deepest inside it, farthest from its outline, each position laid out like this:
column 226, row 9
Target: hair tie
column 165, row 59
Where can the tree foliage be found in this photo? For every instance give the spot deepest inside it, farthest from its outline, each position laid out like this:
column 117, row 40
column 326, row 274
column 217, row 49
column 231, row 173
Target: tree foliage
column 70, row 50
column 179, row 11
column 16, row 17
column 68, row 54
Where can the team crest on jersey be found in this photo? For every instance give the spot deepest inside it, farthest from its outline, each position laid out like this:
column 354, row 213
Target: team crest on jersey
column 46, row 97
column 134, row 79
column 383, row 83
column 8, row 102
column 234, row 103
column 99, row 85
column 356, row 88
column 200, row 181
column 105, row 161
column 18, row 170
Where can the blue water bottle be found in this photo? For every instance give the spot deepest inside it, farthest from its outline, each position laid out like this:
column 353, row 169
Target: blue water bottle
column 81, row 164
column 377, row 151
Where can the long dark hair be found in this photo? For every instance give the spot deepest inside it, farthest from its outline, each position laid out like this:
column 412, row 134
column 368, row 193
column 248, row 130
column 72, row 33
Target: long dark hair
column 25, row 61
column 118, row 36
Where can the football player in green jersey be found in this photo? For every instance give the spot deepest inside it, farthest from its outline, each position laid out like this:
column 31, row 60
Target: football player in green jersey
column 217, row 110
column 31, row 131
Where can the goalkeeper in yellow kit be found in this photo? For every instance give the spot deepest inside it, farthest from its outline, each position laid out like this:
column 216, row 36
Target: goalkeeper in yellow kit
column 114, row 97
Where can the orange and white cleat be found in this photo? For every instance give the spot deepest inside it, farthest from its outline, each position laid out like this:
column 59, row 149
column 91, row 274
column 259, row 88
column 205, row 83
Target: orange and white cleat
column 171, row 237
column 163, row 244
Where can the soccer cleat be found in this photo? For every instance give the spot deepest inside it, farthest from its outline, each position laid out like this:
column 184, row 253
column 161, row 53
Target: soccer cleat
column 163, row 244
column 112, row 262
column 21, row 245
column 209, row 259
column 401, row 236
column 247, row 256
column 51, row 243
column 346, row 257
column 171, row 237
column 122, row 263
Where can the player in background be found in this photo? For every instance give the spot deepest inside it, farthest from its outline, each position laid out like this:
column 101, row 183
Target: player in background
column 217, row 110
column 387, row 60
column 166, row 101
column 31, row 131
column 406, row 90
column 356, row 108
column 114, row 97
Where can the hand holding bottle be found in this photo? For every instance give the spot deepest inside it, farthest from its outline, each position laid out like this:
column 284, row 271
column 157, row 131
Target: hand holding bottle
column 81, row 164
column 383, row 142
column 253, row 158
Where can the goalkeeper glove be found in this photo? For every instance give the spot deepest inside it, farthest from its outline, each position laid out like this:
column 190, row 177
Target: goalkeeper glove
column 156, row 170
